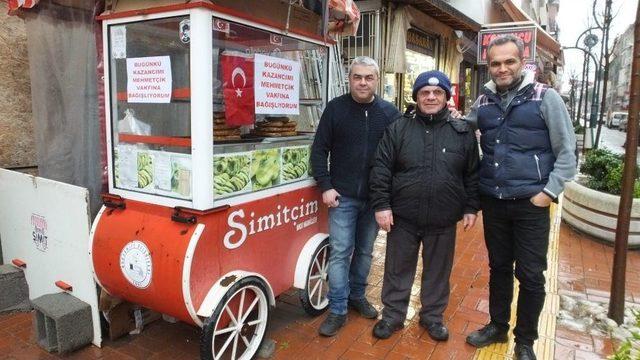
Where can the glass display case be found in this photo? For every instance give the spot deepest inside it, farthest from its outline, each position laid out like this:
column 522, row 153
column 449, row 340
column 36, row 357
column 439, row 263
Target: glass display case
column 204, row 107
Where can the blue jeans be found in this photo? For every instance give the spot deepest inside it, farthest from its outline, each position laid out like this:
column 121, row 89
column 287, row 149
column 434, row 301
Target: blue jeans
column 352, row 231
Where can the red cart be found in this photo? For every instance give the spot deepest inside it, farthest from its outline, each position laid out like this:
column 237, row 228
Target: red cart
column 212, row 212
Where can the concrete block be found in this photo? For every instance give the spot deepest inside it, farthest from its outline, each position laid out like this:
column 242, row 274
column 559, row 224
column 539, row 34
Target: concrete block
column 63, row 322
column 14, row 292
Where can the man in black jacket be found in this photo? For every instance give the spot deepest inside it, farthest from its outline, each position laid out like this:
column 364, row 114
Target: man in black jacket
column 424, row 180
column 349, row 131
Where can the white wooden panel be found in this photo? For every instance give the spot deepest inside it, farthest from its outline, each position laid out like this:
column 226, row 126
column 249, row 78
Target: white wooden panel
column 46, row 224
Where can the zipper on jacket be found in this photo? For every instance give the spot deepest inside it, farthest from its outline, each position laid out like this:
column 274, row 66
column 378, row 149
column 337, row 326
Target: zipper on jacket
column 366, row 148
column 535, row 156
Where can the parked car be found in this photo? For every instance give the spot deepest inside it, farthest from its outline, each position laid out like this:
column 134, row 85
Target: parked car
column 614, row 119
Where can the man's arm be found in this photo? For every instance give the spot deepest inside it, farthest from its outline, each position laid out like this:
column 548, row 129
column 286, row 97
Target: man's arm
column 472, row 117
column 320, row 150
column 563, row 142
column 471, row 178
column 382, row 172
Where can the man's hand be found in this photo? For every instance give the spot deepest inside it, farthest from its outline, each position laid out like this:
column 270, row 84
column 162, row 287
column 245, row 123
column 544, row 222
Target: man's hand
column 468, row 221
column 384, row 219
column 455, row 113
column 541, row 199
column 330, row 198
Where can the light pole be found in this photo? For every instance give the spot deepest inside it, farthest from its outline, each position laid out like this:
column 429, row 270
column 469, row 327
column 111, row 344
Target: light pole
column 588, row 135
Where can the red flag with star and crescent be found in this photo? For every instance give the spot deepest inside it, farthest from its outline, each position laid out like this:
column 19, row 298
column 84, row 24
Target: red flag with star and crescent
column 237, row 88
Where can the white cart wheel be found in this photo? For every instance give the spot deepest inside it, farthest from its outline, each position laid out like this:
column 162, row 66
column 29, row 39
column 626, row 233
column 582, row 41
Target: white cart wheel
column 236, row 328
column 314, row 296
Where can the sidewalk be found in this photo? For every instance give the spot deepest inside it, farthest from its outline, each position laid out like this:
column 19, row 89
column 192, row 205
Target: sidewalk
column 578, row 266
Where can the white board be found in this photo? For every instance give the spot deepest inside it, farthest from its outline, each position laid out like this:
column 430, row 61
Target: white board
column 46, row 224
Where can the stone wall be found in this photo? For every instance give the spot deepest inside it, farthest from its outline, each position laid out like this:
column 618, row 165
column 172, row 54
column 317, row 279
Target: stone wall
column 17, row 147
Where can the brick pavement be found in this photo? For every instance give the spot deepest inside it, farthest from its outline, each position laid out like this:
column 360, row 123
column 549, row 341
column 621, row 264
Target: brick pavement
column 583, row 270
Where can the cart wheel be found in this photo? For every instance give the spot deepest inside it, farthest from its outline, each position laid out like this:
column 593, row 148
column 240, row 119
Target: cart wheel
column 237, row 327
column 314, row 296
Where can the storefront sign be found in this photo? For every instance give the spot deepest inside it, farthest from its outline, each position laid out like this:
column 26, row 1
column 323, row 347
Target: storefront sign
column 149, row 79
column 421, row 43
column 277, row 85
column 526, row 33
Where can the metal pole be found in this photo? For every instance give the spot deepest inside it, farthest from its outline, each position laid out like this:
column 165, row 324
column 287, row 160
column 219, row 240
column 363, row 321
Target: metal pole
column 607, row 56
column 616, row 305
column 588, row 134
column 582, row 86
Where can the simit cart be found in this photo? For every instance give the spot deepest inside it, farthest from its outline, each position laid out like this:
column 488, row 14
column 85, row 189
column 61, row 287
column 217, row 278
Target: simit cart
column 211, row 212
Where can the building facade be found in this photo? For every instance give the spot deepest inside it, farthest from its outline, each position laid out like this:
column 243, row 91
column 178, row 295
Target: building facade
column 620, row 72
column 408, row 37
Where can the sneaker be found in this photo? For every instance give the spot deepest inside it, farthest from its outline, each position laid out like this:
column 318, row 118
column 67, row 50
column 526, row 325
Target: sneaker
column 365, row 308
column 332, row 324
column 436, row 330
column 488, row 335
column 383, row 329
column 524, row 352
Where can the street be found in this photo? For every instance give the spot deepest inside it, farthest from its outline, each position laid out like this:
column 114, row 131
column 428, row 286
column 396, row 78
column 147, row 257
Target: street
column 612, row 139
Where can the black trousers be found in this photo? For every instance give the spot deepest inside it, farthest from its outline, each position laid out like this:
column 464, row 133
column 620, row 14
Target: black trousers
column 516, row 231
column 400, row 268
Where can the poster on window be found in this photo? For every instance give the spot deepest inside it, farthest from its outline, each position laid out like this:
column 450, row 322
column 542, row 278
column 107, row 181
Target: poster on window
column 277, row 85
column 149, row 79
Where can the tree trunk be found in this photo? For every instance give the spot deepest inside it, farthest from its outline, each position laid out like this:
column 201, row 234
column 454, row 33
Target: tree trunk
column 616, row 305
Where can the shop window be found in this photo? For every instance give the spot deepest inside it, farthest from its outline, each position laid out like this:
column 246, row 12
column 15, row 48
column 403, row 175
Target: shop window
column 420, row 56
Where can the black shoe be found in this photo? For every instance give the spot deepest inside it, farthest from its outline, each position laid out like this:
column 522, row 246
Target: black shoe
column 384, row 330
column 436, row 330
column 488, row 335
column 364, row 308
column 524, row 352
column 332, row 324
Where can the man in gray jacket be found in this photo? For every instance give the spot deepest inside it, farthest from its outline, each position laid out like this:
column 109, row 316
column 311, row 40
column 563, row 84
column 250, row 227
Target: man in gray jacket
column 528, row 148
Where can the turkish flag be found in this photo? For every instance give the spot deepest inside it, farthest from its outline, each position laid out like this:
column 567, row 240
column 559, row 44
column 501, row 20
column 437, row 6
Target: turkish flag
column 237, row 88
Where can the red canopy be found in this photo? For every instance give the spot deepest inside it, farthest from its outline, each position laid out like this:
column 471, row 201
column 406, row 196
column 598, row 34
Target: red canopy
column 344, row 17
column 15, row 4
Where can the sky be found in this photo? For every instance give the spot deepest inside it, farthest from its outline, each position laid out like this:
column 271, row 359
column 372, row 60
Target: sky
column 575, row 16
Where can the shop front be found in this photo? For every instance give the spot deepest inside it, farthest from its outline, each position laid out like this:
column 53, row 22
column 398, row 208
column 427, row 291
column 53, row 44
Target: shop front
column 417, row 36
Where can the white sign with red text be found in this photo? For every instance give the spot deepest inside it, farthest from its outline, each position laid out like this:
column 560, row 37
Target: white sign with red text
column 149, row 79
column 277, row 85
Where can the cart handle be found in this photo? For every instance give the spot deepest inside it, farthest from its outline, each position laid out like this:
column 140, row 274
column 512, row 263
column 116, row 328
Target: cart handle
column 191, row 218
column 113, row 201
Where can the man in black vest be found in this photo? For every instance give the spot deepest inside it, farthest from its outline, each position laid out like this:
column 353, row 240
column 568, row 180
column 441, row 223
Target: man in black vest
column 348, row 134
column 528, row 153
column 424, row 180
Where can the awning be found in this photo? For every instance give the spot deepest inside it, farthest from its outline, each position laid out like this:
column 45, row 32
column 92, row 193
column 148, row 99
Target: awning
column 445, row 13
column 16, row 4
column 544, row 41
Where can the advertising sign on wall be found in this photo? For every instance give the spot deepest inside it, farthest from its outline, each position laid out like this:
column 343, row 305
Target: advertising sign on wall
column 526, row 33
